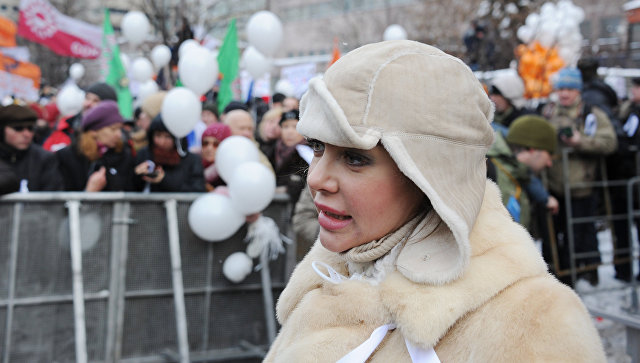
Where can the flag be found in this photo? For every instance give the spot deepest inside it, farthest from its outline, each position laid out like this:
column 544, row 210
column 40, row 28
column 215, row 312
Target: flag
column 7, row 32
column 23, row 69
column 116, row 75
column 228, row 58
column 336, row 52
column 42, row 23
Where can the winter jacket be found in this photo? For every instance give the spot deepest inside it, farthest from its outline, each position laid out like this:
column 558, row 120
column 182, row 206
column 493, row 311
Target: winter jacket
column 36, row 165
column 512, row 178
column 76, row 169
column 187, row 176
column 64, row 134
column 505, row 307
column 598, row 138
column 622, row 164
column 305, row 223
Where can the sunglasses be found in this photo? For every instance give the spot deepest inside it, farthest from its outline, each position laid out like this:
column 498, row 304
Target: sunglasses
column 215, row 143
column 20, row 128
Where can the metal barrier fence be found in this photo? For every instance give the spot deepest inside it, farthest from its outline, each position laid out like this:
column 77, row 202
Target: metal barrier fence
column 625, row 312
column 106, row 277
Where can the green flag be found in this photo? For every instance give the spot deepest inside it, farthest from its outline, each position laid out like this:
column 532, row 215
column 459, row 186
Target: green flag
column 228, row 59
column 116, row 75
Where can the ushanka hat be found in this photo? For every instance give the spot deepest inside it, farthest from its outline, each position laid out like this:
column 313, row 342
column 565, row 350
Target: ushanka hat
column 432, row 115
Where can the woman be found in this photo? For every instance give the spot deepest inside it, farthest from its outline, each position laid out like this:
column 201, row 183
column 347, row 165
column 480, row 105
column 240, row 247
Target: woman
column 212, row 136
column 268, row 133
column 98, row 160
column 166, row 165
column 416, row 255
column 289, row 166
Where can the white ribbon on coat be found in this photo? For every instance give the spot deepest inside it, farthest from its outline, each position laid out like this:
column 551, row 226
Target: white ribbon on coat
column 362, row 352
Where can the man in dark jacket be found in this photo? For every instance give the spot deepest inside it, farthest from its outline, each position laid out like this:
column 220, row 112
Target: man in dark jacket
column 35, row 168
column 621, row 165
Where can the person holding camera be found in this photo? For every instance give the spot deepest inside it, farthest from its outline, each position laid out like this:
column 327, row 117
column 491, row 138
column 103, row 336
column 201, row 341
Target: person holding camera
column 165, row 165
column 589, row 132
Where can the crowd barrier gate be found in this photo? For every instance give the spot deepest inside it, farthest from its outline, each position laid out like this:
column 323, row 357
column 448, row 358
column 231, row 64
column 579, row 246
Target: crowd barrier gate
column 120, row 277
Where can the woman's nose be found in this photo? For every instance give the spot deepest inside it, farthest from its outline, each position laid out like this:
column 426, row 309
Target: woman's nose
column 321, row 175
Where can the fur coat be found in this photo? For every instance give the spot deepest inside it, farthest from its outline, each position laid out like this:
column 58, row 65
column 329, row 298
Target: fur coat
column 505, row 308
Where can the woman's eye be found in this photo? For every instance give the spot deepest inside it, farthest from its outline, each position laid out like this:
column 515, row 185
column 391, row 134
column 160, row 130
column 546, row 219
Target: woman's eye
column 355, row 159
column 316, row 146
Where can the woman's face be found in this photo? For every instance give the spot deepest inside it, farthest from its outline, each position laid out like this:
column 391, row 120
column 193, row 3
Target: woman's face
column 361, row 195
column 109, row 136
column 163, row 140
column 270, row 128
column 290, row 135
column 209, row 147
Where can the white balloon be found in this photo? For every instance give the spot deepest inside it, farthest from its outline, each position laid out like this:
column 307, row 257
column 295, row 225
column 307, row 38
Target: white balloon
column 547, row 10
column 525, row 34
column 180, row 111
column 233, row 151
column 237, row 267
column 198, row 70
column 70, row 100
column 186, row 46
column 252, row 187
column 76, row 71
column 285, row 87
column 146, row 89
column 135, row 27
column 160, row 55
column 212, row 217
column 255, row 62
column 394, row 32
column 532, row 20
column 264, row 31
column 126, row 61
column 141, row 69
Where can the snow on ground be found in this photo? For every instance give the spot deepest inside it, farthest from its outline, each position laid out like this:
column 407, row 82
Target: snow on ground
column 613, row 296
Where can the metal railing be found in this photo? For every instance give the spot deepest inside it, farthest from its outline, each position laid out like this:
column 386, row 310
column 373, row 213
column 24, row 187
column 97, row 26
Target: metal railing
column 117, row 277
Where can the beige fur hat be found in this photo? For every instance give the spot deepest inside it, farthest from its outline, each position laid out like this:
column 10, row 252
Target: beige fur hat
column 432, row 115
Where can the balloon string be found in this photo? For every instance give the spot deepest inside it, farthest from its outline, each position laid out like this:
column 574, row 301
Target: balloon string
column 181, row 151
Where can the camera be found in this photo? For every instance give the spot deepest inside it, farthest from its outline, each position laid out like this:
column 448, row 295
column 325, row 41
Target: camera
column 566, row 131
column 151, row 172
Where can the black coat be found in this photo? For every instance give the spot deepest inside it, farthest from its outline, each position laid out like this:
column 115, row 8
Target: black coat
column 187, row 176
column 38, row 166
column 76, row 169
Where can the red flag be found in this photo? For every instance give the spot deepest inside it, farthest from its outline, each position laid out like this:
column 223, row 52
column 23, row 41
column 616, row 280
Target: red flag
column 42, row 23
column 336, row 52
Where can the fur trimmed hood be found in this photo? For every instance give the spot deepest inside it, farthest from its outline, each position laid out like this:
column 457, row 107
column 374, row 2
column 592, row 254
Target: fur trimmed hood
column 436, row 130
column 505, row 307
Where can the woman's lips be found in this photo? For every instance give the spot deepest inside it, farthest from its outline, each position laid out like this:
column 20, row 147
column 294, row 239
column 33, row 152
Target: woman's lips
column 332, row 220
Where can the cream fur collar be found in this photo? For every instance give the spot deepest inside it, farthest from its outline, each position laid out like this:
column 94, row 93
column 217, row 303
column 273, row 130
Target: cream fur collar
column 502, row 254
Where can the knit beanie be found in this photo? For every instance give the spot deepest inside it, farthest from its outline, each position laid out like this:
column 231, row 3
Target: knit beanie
column 510, row 86
column 105, row 114
column 153, row 104
column 431, row 114
column 533, row 131
column 14, row 114
column 103, row 91
column 569, row 78
column 218, row 130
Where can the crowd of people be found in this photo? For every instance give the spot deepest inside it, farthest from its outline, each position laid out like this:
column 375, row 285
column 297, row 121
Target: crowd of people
column 98, row 150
